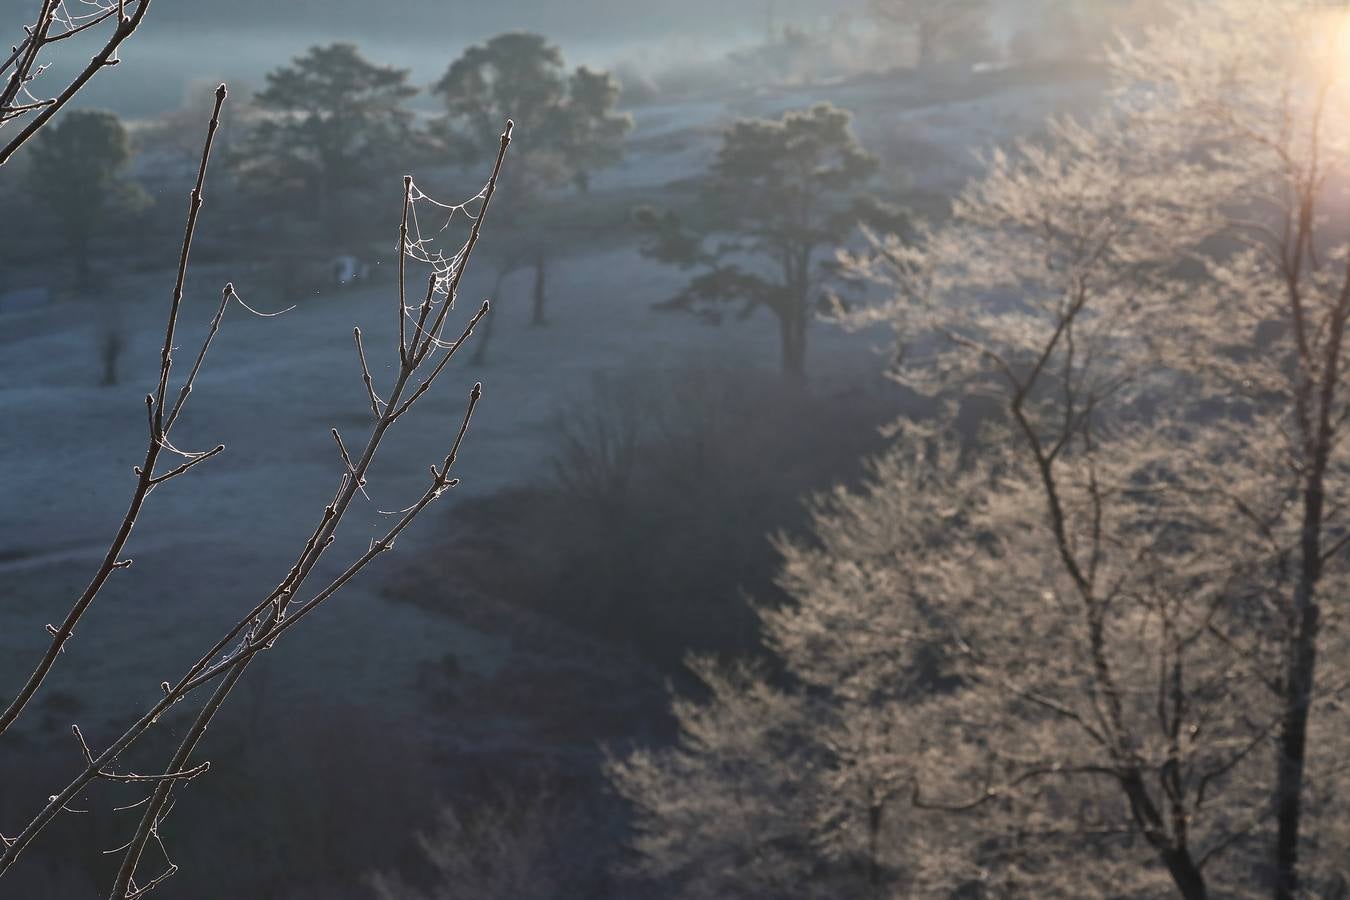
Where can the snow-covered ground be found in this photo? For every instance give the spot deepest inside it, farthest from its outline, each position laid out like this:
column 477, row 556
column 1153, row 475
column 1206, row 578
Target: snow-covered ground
column 209, row 544
column 931, row 133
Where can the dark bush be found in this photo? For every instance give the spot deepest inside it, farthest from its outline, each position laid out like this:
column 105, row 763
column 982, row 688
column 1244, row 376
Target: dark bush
column 651, row 530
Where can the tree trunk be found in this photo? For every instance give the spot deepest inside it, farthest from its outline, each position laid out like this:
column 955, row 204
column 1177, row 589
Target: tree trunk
column 79, row 245
column 874, row 850
column 1188, row 878
column 1301, row 668
column 322, row 207
column 1293, row 744
column 792, row 342
column 1300, row 673
column 110, row 337
column 540, row 264
column 111, row 351
column 1173, row 848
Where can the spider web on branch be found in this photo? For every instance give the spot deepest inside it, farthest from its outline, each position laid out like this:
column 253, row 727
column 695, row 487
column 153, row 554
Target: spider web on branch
column 84, row 11
column 432, row 242
column 68, row 18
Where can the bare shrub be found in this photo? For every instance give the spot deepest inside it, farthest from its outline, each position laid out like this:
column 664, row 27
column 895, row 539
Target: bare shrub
column 653, row 536
column 600, row 440
column 529, row 841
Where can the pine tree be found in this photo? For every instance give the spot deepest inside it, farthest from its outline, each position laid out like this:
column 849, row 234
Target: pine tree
column 780, row 194
column 567, row 121
column 76, row 170
column 330, row 118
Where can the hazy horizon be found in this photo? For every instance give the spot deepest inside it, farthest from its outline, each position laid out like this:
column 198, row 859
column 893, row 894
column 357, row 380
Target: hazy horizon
column 176, row 48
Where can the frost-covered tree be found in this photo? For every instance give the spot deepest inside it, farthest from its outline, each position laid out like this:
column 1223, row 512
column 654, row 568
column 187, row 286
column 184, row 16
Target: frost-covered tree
column 1128, row 602
column 1261, row 88
column 798, row 785
column 938, row 723
column 1164, row 287
column 728, row 812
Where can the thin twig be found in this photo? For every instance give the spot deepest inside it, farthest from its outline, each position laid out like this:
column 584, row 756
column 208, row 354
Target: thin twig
column 365, row 374
column 199, row 458
column 186, row 389
column 189, row 229
column 402, row 269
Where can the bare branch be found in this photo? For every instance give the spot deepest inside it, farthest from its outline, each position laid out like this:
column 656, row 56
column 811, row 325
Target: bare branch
column 38, row 38
column 262, row 627
column 198, row 458
column 146, row 478
column 186, row 389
